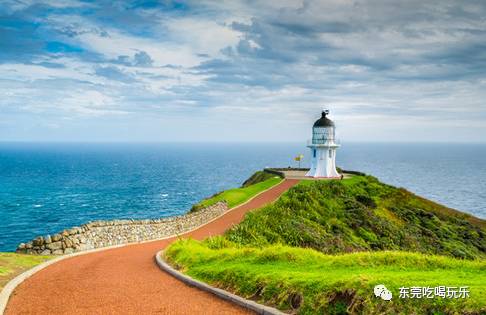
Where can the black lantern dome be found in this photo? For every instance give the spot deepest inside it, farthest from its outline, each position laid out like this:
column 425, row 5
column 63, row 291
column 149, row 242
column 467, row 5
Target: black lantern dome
column 324, row 121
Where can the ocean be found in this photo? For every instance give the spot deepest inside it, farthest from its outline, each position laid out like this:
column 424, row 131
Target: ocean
column 45, row 188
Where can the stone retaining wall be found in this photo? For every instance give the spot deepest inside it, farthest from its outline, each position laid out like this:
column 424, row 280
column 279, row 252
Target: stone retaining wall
column 99, row 234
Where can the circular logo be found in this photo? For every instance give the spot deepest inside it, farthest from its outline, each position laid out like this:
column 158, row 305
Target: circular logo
column 381, row 291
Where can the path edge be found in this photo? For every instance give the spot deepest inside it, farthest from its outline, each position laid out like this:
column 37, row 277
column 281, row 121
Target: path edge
column 10, row 287
column 225, row 295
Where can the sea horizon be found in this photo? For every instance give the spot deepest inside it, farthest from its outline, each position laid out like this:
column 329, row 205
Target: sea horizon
column 47, row 187
column 233, row 142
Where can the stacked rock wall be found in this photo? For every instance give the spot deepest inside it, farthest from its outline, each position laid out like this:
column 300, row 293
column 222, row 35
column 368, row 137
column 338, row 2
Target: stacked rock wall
column 99, row 234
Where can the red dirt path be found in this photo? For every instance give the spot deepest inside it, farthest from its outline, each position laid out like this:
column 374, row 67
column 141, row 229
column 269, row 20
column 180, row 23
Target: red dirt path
column 126, row 280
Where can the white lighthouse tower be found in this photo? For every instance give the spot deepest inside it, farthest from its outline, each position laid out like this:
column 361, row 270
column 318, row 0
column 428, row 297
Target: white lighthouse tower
column 323, row 148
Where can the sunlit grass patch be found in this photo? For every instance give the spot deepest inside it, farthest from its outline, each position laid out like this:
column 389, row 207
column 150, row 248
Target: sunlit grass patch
column 12, row 264
column 237, row 196
column 314, row 283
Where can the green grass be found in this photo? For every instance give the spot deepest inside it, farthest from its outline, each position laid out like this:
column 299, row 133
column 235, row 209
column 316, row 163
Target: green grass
column 12, row 264
column 311, row 282
column 324, row 245
column 237, row 196
column 361, row 214
column 257, row 177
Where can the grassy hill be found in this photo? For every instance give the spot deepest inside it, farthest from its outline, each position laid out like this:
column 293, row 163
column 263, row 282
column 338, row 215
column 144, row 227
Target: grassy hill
column 362, row 214
column 324, row 245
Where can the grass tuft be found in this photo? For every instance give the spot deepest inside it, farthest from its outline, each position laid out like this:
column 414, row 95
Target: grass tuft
column 309, row 282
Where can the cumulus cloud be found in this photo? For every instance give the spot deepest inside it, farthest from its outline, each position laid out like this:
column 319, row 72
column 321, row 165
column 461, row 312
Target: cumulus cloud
column 274, row 64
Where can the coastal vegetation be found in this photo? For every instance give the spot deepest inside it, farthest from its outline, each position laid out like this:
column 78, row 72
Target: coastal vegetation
column 361, row 214
column 323, row 246
column 12, row 264
column 237, row 196
column 258, row 177
column 309, row 282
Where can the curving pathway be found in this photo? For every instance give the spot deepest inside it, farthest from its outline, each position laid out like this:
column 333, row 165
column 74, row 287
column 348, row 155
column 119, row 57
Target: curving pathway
column 126, row 280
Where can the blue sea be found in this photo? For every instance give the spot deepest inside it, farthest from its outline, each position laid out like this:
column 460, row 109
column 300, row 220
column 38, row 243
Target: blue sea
column 45, row 188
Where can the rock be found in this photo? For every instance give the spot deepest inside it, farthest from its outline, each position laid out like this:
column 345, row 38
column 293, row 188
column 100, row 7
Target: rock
column 98, row 234
column 68, row 243
column 82, row 247
column 54, row 246
column 46, row 252
column 38, row 241
column 68, row 251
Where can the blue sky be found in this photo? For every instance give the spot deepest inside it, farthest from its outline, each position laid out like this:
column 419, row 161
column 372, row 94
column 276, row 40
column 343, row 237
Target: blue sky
column 242, row 70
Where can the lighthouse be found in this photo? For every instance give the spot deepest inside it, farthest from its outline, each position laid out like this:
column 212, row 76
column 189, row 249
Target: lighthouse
column 323, row 148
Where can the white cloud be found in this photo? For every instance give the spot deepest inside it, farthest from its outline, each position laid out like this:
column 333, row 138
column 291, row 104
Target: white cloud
column 12, row 6
column 30, row 72
column 88, row 103
column 371, row 63
column 203, row 36
column 118, row 44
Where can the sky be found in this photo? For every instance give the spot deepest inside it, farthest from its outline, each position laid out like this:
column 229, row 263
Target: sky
column 231, row 71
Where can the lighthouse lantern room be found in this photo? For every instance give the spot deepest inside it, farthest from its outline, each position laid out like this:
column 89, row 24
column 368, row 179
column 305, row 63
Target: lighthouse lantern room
column 323, row 148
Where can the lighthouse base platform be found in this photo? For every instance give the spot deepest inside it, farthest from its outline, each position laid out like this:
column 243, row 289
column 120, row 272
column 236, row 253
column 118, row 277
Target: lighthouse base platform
column 300, row 173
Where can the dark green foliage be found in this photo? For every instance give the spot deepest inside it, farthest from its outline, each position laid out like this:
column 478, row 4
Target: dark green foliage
column 258, row 177
column 361, row 214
